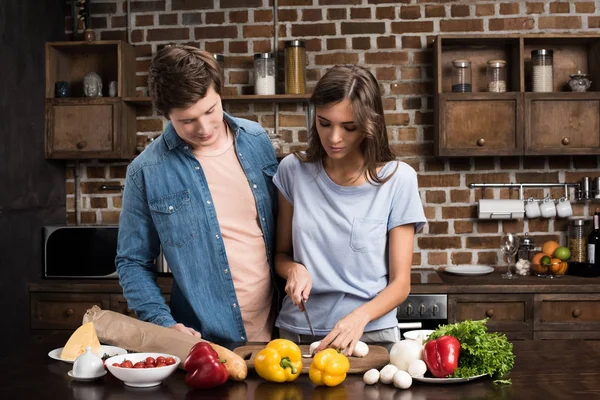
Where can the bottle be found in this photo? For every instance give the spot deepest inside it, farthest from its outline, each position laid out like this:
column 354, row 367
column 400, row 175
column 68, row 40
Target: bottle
column 594, row 242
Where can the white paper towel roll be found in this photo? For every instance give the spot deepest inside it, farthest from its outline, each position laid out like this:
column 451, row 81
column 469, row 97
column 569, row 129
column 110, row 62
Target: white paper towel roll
column 501, row 209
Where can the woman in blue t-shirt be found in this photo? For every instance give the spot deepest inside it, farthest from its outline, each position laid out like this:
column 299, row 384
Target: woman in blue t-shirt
column 348, row 213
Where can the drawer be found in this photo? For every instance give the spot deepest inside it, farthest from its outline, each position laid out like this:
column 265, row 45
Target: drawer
column 510, row 312
column 567, row 312
column 63, row 310
column 118, row 303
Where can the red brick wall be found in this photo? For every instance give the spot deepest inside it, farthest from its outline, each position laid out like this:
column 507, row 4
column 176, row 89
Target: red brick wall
column 393, row 39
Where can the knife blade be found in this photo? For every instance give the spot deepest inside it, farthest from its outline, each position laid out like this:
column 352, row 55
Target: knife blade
column 312, row 331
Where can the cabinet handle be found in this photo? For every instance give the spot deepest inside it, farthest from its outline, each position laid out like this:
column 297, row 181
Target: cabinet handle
column 81, row 144
column 576, row 312
column 565, row 141
column 480, row 142
column 70, row 312
column 490, row 312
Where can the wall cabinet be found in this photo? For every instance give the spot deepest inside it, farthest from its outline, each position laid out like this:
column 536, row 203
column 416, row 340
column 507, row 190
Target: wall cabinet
column 79, row 127
column 518, row 121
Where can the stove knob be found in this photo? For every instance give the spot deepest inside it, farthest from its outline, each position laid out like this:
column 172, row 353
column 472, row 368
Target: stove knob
column 409, row 309
column 422, row 309
column 435, row 309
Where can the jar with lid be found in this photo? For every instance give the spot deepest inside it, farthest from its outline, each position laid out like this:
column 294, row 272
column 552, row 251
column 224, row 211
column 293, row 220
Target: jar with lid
column 542, row 78
column 525, row 253
column 461, row 76
column 577, row 235
column 295, row 67
column 221, row 61
column 496, row 76
column 264, row 74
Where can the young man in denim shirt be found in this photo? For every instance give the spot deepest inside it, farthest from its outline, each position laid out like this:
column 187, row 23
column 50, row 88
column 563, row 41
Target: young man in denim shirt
column 203, row 191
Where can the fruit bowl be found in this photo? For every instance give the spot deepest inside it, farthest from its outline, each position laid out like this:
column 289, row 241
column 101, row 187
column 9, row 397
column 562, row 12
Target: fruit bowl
column 141, row 377
column 555, row 268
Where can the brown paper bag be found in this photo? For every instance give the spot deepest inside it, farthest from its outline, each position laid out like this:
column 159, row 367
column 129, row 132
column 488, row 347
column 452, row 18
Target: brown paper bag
column 131, row 334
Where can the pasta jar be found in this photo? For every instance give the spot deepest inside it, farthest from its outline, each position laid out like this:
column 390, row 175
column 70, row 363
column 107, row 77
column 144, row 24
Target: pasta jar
column 264, row 74
column 542, row 70
column 295, row 67
column 461, row 76
column 496, row 76
column 221, row 61
column 577, row 234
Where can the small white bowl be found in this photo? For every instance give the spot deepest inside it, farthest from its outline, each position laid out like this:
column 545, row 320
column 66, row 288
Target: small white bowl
column 141, row 377
column 88, row 366
column 412, row 335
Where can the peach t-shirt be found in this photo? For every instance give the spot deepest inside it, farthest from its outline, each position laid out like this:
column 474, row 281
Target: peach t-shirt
column 243, row 238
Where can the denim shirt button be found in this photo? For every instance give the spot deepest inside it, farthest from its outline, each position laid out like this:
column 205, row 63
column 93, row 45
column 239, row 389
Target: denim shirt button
column 170, row 208
column 240, row 154
column 185, row 147
column 196, row 168
column 208, row 202
column 241, row 337
column 217, row 236
column 234, row 305
column 226, row 270
column 263, row 219
column 254, row 186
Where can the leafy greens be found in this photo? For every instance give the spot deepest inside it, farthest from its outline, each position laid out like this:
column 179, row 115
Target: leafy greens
column 481, row 352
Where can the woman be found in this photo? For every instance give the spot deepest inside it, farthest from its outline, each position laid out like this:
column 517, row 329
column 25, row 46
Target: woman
column 347, row 217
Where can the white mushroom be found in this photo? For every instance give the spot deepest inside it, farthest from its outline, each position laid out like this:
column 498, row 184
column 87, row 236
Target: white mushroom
column 371, row 377
column 402, row 379
column 361, row 349
column 386, row 375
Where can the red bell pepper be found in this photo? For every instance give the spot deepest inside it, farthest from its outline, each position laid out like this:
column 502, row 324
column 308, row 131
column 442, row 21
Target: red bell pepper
column 441, row 355
column 204, row 368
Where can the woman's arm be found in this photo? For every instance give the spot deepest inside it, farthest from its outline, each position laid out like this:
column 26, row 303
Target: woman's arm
column 349, row 329
column 298, row 280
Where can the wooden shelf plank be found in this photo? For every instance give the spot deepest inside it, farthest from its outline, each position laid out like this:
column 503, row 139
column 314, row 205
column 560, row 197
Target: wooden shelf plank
column 277, row 98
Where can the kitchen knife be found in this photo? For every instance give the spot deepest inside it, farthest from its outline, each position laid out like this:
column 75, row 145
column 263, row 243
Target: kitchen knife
column 312, row 331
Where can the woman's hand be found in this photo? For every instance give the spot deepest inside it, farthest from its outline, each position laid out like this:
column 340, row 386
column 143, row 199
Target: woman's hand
column 346, row 333
column 298, row 285
column 186, row 330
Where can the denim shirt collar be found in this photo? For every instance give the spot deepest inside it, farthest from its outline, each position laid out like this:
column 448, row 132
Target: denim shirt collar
column 172, row 139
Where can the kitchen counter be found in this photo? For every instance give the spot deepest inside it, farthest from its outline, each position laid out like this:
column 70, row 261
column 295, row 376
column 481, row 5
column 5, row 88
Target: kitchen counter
column 564, row 369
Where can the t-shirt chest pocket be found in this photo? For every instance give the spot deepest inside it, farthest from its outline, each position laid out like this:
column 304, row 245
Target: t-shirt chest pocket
column 368, row 234
column 175, row 222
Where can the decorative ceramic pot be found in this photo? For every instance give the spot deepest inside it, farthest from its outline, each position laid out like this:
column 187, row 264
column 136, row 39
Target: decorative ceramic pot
column 579, row 82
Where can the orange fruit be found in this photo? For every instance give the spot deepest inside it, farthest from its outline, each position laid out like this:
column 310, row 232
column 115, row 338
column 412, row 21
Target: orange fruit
column 556, row 265
column 549, row 247
column 537, row 259
column 563, row 269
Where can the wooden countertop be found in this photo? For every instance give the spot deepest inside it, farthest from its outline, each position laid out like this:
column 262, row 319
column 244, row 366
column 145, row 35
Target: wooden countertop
column 558, row 369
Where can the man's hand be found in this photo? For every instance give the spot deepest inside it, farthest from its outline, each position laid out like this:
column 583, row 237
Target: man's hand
column 186, row 330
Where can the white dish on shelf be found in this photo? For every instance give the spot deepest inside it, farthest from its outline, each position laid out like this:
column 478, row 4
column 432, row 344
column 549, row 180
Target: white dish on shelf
column 412, row 335
column 70, row 373
column 469, row 270
column 104, row 349
column 444, row 381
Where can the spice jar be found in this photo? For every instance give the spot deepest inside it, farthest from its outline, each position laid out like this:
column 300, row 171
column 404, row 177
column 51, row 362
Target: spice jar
column 577, row 234
column 295, row 67
column 264, row 74
column 542, row 70
column 221, row 61
column 461, row 76
column 496, row 76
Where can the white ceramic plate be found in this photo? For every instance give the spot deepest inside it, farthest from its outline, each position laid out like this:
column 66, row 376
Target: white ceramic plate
column 412, row 335
column 469, row 269
column 104, row 349
column 443, row 381
column 70, row 373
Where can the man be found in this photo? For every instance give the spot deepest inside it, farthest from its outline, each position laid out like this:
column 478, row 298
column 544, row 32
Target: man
column 203, row 191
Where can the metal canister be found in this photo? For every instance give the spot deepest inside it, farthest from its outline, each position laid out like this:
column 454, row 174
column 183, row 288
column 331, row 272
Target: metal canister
column 526, row 248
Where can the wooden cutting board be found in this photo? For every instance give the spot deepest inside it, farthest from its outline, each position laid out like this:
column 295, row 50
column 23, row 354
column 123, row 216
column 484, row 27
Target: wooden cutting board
column 377, row 358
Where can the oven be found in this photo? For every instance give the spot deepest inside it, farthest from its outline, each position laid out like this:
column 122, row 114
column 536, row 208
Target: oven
column 422, row 311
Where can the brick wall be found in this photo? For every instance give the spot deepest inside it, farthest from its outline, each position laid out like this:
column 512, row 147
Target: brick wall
column 393, row 39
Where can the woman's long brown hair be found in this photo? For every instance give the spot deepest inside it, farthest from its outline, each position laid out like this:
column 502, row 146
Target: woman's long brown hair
column 359, row 86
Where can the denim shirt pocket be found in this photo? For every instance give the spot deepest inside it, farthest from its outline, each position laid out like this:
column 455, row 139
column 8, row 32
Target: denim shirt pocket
column 174, row 218
column 268, row 173
column 367, row 234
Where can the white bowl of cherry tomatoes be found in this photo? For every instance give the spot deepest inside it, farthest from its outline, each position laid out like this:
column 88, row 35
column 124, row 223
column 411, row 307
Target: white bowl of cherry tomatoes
column 142, row 369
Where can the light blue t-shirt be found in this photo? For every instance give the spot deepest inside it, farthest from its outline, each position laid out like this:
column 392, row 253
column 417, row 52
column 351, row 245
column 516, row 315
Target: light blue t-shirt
column 339, row 233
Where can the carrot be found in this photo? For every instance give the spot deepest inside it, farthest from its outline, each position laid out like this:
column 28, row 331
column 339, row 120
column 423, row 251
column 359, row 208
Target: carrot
column 131, row 334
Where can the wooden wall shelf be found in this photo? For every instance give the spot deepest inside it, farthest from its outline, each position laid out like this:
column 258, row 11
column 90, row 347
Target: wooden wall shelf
column 277, row 98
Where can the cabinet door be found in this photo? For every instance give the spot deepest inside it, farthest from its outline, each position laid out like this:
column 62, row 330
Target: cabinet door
column 505, row 312
column 479, row 124
column 568, row 313
column 80, row 129
column 562, row 123
column 63, row 310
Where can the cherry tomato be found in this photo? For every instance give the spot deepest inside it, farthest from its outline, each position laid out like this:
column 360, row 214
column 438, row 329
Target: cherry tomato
column 160, row 359
column 126, row 364
column 170, row 361
column 150, row 360
column 160, row 364
column 139, row 364
column 116, row 365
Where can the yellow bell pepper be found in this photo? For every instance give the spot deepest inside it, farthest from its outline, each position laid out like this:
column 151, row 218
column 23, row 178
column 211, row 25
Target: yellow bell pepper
column 329, row 368
column 279, row 361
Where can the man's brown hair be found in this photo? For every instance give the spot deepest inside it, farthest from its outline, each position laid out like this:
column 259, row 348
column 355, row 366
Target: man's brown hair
column 180, row 75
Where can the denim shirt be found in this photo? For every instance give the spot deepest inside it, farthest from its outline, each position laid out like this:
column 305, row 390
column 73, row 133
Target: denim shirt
column 167, row 202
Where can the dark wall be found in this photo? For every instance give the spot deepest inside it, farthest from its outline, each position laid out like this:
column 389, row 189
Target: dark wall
column 32, row 189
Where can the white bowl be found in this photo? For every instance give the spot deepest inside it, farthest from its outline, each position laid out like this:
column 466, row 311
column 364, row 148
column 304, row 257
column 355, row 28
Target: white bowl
column 412, row 335
column 141, row 377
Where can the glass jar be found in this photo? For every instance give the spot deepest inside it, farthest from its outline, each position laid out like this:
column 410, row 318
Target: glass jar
column 577, row 234
column 264, row 74
column 221, row 61
column 526, row 248
column 461, row 76
column 295, row 67
column 496, row 76
column 542, row 77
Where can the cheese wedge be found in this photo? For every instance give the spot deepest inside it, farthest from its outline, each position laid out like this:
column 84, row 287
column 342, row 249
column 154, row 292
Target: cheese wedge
column 84, row 336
